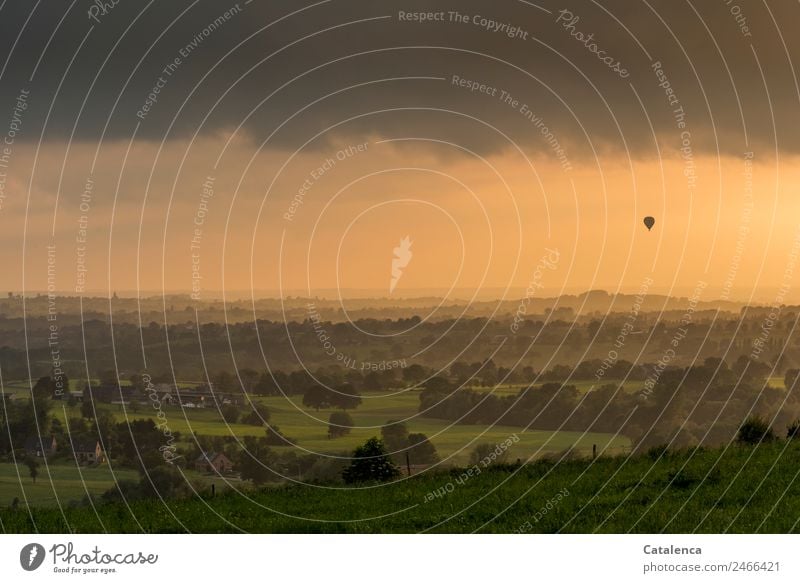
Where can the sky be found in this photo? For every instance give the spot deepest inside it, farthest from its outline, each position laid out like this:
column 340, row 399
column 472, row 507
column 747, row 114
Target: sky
column 288, row 147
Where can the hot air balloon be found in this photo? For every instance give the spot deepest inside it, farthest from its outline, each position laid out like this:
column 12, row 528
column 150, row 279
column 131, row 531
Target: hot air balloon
column 649, row 222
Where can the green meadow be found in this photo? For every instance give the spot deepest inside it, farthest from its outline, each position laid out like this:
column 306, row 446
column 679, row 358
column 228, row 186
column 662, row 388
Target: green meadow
column 64, row 483
column 740, row 489
column 308, row 428
column 57, row 482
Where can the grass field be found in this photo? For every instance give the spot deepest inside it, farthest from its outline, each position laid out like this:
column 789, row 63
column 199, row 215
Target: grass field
column 776, row 382
column 742, row 489
column 58, row 482
column 66, row 483
column 308, row 428
column 22, row 387
column 582, row 386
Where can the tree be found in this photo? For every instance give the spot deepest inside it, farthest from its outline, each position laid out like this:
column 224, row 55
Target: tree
column 274, row 436
column 372, row 381
column 370, row 463
column 339, row 424
column 33, row 467
column 414, row 373
column 750, row 369
column 272, row 384
column 388, row 378
column 437, row 384
column 298, row 381
column 754, row 431
column 488, row 373
column 254, row 461
column 258, row 416
column 223, row 381
column 163, row 481
column 317, row 397
column 137, row 382
column 230, row 413
column 395, row 435
column 249, row 379
column 460, row 370
column 108, row 377
column 135, row 443
column 43, row 392
column 87, row 406
column 345, row 397
column 790, row 378
column 421, row 450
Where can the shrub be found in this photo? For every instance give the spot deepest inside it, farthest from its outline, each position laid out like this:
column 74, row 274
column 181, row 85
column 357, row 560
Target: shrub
column 754, row 431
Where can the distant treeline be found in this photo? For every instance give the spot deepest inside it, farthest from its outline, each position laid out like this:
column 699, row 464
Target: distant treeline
column 698, row 405
column 365, row 345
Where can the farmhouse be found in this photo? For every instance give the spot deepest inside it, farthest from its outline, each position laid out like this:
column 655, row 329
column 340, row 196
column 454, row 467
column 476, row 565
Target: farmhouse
column 212, row 462
column 40, row 446
column 191, row 398
column 88, row 451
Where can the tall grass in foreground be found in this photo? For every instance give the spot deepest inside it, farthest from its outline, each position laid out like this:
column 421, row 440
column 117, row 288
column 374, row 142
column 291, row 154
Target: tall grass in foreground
column 742, row 489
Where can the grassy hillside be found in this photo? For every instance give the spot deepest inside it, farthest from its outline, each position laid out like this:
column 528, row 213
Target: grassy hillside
column 741, row 489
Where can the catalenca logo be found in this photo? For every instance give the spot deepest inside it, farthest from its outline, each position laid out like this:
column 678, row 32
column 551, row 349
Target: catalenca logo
column 402, row 256
column 31, row 556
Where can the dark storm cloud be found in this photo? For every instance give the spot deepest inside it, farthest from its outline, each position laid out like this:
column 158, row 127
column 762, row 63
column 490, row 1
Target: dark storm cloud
column 713, row 54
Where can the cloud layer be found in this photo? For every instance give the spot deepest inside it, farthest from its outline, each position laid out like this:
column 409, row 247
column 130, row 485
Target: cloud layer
column 284, row 72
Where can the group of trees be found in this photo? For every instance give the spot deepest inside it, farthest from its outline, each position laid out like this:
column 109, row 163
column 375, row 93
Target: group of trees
column 757, row 430
column 262, row 464
column 373, row 461
column 343, row 397
column 20, row 418
column 317, row 395
column 564, row 337
column 703, row 404
column 404, row 446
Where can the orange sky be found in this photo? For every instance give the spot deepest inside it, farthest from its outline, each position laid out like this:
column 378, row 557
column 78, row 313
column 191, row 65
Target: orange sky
column 476, row 224
column 285, row 109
